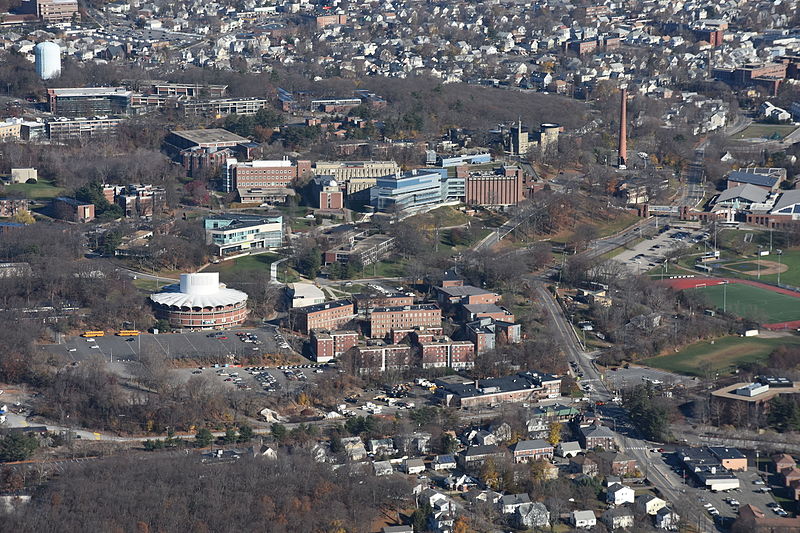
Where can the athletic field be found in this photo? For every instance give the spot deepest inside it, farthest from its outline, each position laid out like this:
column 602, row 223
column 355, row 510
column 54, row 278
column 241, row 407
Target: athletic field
column 723, row 354
column 755, row 303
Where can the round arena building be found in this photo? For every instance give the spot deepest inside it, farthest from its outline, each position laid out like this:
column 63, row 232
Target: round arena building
column 200, row 301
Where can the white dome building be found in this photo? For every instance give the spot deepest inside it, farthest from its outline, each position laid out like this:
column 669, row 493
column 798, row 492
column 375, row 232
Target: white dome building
column 47, row 57
column 200, row 301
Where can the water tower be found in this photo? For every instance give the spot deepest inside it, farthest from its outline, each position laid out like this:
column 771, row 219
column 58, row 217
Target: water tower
column 48, row 60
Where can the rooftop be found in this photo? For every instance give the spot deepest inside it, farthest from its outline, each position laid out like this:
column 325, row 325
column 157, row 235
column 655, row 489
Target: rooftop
column 210, row 136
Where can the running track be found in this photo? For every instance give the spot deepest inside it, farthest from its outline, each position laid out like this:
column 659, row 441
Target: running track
column 693, row 283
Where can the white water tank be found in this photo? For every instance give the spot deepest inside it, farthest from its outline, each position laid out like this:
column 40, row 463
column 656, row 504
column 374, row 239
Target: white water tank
column 48, row 60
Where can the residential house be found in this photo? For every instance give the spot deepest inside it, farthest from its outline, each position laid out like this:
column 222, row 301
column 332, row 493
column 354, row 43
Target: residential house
column 382, row 468
column 618, row 494
column 531, row 450
column 531, row 515
column 460, row 482
column 583, row 519
column 783, row 461
column 477, row 496
column 511, row 502
column 475, row 456
column 444, row 462
column 354, row 448
column 414, row 466
column 584, row 465
column 381, row 446
column 667, row 519
column 618, row 518
column 790, row 475
column 569, row 449
column 417, row 443
column 649, row 504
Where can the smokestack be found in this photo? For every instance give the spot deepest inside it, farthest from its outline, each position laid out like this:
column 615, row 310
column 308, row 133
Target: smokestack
column 623, row 128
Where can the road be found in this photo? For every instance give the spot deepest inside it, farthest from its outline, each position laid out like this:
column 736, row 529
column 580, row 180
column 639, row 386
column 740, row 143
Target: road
column 657, row 471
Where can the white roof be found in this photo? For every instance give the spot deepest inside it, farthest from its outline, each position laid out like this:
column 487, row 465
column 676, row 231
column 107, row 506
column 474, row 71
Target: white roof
column 198, row 290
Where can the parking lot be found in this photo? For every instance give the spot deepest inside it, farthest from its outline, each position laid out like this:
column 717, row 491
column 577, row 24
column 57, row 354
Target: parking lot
column 221, row 346
column 726, row 504
column 650, row 253
column 634, row 375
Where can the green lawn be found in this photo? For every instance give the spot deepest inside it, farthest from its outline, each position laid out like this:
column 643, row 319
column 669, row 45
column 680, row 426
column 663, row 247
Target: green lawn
column 150, row 285
column 41, row 190
column 790, row 258
column 722, row 354
column 384, row 269
column 248, row 262
column 755, row 303
column 765, row 131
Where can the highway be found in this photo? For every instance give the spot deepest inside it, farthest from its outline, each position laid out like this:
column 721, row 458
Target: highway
column 657, row 472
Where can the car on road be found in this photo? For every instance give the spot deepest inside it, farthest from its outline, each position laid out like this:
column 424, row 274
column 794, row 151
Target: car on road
column 758, row 482
column 197, row 371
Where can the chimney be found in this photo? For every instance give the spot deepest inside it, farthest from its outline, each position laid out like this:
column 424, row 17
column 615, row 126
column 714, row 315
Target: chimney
column 623, row 128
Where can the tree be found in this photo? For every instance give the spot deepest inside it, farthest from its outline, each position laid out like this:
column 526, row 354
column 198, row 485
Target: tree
column 23, row 216
column 245, row 433
column 204, row 438
column 461, row 525
column 230, row 436
column 554, row 437
column 489, row 474
column 17, row 447
column 279, row 432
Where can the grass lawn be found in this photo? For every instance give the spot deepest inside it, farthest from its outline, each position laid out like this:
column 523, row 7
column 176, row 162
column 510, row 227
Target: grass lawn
column 384, row 269
column 150, row 285
column 447, row 216
column 724, row 353
column 445, row 238
column 754, row 303
column 765, row 131
column 790, row 258
column 248, row 262
column 41, row 190
column 621, row 222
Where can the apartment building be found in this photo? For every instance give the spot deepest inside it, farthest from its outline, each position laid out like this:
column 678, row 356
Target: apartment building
column 136, row 200
column 10, row 207
column 328, row 345
column 89, row 101
column 65, row 129
column 384, row 319
column 442, row 351
column 234, row 233
column 380, row 358
column 325, row 316
column 222, row 107
column 72, row 209
column 263, row 174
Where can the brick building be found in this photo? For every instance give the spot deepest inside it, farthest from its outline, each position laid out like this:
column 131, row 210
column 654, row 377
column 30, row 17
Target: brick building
column 263, row 174
column 465, row 294
column 383, row 319
column 502, row 187
column 72, row 209
column 10, row 207
column 324, row 316
column 329, row 345
column 380, row 358
column 522, row 387
column 442, row 351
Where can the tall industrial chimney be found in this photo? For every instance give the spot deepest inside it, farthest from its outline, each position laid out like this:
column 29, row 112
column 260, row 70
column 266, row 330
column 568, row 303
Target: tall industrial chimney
column 623, row 128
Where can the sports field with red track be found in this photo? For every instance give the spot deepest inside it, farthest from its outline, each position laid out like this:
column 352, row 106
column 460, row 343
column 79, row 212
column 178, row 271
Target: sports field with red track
column 773, row 307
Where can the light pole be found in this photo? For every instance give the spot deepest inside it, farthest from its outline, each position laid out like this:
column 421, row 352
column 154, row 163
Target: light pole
column 780, row 253
column 724, row 296
column 758, row 260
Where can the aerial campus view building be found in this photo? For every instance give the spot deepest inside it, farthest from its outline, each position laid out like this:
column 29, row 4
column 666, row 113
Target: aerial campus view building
column 200, row 301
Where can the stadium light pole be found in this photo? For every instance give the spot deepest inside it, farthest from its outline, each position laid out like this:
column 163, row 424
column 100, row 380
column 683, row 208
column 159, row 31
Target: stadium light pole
column 780, row 253
column 758, row 260
column 724, row 296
